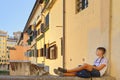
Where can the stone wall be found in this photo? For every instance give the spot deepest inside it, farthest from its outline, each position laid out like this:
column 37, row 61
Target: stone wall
column 51, row 78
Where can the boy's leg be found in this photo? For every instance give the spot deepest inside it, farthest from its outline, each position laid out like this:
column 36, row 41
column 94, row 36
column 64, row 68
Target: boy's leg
column 85, row 66
column 69, row 74
column 56, row 71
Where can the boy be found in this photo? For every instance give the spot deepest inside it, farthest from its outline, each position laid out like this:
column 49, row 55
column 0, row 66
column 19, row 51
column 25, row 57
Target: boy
column 98, row 69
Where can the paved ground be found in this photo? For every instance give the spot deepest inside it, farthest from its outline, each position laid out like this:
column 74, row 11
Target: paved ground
column 50, row 78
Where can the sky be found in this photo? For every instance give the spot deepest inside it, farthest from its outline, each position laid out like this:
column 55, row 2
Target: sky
column 14, row 14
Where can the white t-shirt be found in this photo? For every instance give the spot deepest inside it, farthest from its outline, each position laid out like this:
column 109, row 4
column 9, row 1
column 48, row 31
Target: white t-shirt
column 100, row 61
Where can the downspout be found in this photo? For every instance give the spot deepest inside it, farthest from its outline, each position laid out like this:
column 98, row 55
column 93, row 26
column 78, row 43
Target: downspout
column 64, row 18
column 110, row 35
column 43, row 43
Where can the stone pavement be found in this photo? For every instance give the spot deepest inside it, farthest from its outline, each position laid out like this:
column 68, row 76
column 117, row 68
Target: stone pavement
column 49, row 77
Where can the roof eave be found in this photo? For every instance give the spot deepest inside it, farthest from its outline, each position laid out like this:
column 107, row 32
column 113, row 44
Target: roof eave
column 31, row 14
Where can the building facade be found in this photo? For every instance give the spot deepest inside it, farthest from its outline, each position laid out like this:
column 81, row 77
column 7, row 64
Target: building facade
column 88, row 25
column 3, row 51
column 44, row 28
column 66, row 33
column 17, row 34
column 11, row 43
column 19, row 63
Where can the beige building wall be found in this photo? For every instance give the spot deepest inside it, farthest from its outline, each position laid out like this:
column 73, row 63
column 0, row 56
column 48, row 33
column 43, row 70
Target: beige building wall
column 91, row 28
column 85, row 31
column 3, row 51
column 115, row 39
column 34, row 19
column 55, row 33
column 40, row 45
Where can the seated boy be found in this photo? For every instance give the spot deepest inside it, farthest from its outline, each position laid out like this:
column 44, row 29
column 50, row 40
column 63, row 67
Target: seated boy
column 96, row 70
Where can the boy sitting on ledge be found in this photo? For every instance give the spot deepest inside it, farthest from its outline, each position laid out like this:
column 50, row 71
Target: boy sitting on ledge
column 86, row 70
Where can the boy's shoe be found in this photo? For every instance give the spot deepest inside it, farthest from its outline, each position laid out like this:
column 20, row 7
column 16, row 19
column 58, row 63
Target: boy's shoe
column 62, row 70
column 56, row 71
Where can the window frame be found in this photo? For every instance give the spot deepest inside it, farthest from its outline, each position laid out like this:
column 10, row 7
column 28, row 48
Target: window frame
column 81, row 5
column 52, row 56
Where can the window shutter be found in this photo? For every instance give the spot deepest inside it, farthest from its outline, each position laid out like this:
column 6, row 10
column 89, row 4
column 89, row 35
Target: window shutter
column 52, row 52
column 42, row 28
column 41, row 1
column 55, row 52
column 47, row 20
column 45, row 50
column 41, row 52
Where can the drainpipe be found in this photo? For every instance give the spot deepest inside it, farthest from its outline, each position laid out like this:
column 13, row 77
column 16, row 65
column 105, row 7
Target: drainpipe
column 110, row 35
column 43, row 42
column 64, row 15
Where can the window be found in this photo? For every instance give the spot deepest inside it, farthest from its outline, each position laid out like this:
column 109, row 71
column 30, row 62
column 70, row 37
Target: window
column 45, row 26
column 41, row 1
column 52, row 52
column 31, row 53
column 29, row 42
column 35, row 34
column 42, row 28
column 38, row 53
column 29, row 31
column 47, row 20
column 31, row 38
column 81, row 5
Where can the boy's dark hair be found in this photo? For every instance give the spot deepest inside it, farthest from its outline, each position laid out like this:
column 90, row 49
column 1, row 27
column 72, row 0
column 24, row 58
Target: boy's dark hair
column 102, row 49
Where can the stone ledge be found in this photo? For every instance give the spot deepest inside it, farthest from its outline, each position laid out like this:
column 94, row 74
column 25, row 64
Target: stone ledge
column 51, row 78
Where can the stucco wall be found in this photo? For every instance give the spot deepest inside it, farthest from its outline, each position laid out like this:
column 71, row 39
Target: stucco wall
column 115, row 39
column 85, row 31
column 90, row 29
column 53, row 34
column 18, row 53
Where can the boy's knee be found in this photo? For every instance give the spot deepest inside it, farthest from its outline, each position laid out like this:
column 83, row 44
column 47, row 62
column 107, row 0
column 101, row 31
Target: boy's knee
column 85, row 65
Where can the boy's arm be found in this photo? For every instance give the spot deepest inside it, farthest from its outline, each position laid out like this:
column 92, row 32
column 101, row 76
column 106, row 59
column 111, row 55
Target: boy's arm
column 99, row 67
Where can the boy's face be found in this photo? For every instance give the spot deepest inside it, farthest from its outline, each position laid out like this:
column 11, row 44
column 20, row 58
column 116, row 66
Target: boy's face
column 99, row 53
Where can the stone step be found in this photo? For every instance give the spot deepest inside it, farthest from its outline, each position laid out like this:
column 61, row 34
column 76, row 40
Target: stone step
column 49, row 77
